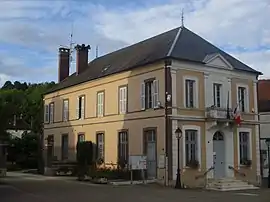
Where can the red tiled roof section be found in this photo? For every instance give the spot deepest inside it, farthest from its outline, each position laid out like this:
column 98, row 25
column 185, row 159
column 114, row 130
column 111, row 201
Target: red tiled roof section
column 264, row 89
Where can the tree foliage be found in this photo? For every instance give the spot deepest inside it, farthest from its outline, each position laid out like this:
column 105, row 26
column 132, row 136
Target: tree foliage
column 22, row 101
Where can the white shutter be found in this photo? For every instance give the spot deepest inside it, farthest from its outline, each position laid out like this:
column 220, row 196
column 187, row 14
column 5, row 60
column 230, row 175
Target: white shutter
column 83, row 107
column 121, row 100
column 102, row 104
column 143, row 96
column 46, row 114
column 155, row 93
column 51, row 113
column 66, row 110
column 125, row 99
column 77, row 108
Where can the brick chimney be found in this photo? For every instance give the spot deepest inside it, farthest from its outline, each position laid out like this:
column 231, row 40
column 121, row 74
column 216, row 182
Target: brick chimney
column 63, row 65
column 81, row 58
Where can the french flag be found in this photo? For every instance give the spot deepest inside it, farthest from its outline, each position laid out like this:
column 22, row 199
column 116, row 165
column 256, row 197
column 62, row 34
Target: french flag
column 237, row 115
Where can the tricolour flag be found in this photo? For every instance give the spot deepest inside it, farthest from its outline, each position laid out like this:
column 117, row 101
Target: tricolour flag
column 237, row 115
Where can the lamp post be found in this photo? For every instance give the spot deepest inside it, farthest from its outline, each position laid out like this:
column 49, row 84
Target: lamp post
column 178, row 134
column 267, row 141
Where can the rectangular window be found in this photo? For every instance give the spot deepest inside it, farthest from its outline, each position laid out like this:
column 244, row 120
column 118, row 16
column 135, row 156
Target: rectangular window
column 123, row 100
column 47, row 114
column 190, row 93
column 101, row 146
column 80, row 107
column 123, row 152
column 244, row 147
column 65, row 110
column 242, row 99
column 191, row 146
column 64, row 147
column 100, row 104
column 51, row 111
column 81, row 138
column 149, row 94
column 217, row 94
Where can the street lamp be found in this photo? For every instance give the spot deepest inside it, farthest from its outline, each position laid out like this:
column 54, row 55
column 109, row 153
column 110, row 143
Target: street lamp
column 267, row 141
column 178, row 134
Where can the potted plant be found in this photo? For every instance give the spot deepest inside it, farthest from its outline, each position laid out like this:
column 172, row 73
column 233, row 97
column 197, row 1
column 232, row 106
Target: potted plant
column 193, row 164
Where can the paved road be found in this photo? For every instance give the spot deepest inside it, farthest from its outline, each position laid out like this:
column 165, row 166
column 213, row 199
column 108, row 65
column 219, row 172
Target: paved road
column 29, row 188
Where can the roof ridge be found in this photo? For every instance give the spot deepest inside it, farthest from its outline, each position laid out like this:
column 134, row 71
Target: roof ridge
column 174, row 41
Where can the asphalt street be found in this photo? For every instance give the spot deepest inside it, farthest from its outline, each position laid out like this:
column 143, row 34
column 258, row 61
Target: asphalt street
column 31, row 188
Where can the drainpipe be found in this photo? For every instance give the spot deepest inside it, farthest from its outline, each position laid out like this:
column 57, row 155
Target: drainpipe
column 167, row 64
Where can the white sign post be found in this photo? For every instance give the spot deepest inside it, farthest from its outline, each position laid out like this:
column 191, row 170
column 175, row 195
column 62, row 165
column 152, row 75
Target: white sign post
column 137, row 162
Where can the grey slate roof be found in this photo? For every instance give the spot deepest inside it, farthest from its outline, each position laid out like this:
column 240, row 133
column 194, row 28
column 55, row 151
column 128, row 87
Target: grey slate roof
column 179, row 43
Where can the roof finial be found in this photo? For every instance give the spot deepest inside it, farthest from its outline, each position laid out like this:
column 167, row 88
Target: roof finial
column 182, row 18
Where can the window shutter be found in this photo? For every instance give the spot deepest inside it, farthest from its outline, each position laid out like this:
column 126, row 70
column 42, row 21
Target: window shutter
column 196, row 145
column 67, row 110
column 83, row 107
column 46, row 114
column 100, row 101
column 77, row 108
column 143, row 96
column 121, row 100
column 51, row 113
column 155, row 93
column 246, row 100
column 125, row 99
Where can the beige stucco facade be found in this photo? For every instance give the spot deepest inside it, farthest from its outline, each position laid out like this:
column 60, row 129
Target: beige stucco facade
column 136, row 120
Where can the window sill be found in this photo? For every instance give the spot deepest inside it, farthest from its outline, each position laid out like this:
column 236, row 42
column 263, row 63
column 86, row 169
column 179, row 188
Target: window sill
column 190, row 168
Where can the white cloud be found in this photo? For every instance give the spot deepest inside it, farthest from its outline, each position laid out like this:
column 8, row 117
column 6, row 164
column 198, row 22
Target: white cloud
column 33, row 24
column 233, row 23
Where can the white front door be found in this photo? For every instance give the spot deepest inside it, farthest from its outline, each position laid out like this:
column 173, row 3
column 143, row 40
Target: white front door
column 219, row 155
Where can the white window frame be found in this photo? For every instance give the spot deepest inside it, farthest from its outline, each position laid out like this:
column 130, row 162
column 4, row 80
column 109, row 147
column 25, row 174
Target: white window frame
column 199, row 154
column 247, row 106
column 195, row 88
column 123, row 100
column 215, row 94
column 100, row 104
column 65, row 110
column 249, row 131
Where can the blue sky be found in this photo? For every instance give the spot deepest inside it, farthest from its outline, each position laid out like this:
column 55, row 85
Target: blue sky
column 32, row 31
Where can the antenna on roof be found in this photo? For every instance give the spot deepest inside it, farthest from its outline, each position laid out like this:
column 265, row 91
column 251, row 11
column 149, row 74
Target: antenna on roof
column 182, row 18
column 96, row 51
column 71, row 46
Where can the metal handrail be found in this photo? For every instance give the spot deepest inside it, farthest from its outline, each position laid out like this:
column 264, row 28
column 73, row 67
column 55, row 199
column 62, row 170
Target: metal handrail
column 205, row 173
column 237, row 171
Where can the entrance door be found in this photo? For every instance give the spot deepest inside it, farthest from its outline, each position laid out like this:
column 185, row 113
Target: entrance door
column 219, row 155
column 150, row 152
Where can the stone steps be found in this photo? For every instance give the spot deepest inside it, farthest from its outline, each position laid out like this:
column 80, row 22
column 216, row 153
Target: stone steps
column 229, row 184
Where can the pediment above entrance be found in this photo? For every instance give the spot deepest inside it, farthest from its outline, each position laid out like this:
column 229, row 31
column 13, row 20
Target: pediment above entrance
column 217, row 60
